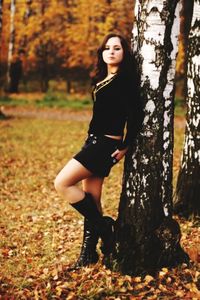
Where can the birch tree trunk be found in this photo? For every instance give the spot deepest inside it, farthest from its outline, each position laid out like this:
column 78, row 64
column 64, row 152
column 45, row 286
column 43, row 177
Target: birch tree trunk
column 147, row 236
column 12, row 36
column 187, row 198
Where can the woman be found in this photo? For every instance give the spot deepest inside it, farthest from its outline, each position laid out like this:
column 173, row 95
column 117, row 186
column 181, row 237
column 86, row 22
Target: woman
column 116, row 104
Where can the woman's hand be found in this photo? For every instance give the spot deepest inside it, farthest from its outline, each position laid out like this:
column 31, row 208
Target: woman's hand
column 119, row 154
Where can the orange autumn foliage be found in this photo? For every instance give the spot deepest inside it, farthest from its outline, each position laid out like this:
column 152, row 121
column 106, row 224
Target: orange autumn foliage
column 66, row 33
column 63, row 32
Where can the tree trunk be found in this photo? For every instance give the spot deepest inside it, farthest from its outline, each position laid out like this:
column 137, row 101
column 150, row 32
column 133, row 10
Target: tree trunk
column 187, row 199
column 185, row 28
column 147, row 236
column 69, row 85
column 12, row 37
column 44, row 55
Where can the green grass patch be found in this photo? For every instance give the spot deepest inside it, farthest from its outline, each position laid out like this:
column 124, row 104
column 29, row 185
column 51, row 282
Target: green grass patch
column 48, row 100
column 61, row 100
column 8, row 101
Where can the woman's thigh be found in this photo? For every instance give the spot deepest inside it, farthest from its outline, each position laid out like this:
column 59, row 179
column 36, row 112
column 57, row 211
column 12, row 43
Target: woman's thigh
column 72, row 173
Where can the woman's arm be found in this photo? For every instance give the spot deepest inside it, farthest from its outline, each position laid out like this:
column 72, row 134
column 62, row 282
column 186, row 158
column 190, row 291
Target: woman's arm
column 135, row 112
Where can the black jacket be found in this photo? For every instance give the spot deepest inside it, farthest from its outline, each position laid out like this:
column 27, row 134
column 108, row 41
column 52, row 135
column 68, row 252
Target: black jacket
column 117, row 104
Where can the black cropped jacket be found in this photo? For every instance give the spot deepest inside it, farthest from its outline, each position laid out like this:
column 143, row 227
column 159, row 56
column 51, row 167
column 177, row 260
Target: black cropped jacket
column 116, row 105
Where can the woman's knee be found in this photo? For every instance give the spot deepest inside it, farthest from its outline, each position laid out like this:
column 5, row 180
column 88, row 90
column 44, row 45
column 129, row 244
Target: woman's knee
column 59, row 184
column 69, row 176
column 62, row 184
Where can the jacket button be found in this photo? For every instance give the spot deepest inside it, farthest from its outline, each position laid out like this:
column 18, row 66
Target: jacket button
column 94, row 142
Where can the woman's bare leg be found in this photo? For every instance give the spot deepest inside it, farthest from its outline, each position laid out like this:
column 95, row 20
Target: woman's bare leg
column 69, row 176
column 93, row 185
column 65, row 183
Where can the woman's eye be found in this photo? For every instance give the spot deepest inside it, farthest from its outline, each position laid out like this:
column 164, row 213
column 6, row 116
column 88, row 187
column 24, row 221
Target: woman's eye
column 115, row 49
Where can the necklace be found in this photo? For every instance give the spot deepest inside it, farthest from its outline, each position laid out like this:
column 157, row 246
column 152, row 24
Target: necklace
column 113, row 73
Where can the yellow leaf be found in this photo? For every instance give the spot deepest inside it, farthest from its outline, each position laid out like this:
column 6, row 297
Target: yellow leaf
column 148, row 278
column 137, row 279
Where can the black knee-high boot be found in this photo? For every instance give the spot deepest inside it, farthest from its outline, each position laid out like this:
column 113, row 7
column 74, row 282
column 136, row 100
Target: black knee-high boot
column 88, row 254
column 104, row 226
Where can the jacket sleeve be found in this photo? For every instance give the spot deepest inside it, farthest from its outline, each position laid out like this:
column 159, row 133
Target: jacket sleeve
column 135, row 114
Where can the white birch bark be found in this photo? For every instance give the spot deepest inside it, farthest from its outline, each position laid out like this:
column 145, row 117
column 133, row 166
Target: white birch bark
column 146, row 199
column 12, row 35
column 187, row 201
column 158, row 58
column 12, row 30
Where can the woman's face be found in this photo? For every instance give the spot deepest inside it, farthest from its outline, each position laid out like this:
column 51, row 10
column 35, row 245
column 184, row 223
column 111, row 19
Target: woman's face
column 113, row 52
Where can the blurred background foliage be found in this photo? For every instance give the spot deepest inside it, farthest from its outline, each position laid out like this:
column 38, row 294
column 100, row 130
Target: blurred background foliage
column 56, row 42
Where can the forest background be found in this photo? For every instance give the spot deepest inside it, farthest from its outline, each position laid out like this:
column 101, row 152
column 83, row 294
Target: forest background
column 57, row 42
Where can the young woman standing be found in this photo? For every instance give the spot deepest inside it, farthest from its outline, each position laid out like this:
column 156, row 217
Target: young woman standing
column 115, row 105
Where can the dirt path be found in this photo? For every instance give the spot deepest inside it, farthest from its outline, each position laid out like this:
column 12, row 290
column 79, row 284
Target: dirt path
column 47, row 113
column 60, row 114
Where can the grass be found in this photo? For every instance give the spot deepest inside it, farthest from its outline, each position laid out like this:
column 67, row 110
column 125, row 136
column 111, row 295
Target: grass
column 40, row 233
column 50, row 99
column 58, row 99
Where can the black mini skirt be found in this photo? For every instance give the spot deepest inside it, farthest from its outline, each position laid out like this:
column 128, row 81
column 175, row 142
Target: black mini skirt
column 95, row 155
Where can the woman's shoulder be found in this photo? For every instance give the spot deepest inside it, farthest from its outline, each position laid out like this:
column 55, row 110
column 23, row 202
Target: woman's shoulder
column 126, row 81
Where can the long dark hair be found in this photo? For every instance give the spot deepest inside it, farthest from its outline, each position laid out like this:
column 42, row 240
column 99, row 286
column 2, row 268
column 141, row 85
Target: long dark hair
column 127, row 66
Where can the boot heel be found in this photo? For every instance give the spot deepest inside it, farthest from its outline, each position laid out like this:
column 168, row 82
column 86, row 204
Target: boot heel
column 104, row 226
column 108, row 239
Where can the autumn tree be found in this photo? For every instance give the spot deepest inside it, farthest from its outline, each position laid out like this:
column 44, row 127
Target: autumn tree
column 12, row 35
column 60, row 37
column 11, row 38
column 147, row 236
column 5, row 32
column 122, row 16
column 187, row 202
column 1, row 13
column 1, row 22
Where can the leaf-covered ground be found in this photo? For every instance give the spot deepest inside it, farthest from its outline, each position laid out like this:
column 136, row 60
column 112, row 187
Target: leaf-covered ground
column 41, row 235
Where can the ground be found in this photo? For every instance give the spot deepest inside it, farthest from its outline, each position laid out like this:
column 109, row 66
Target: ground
column 41, row 235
